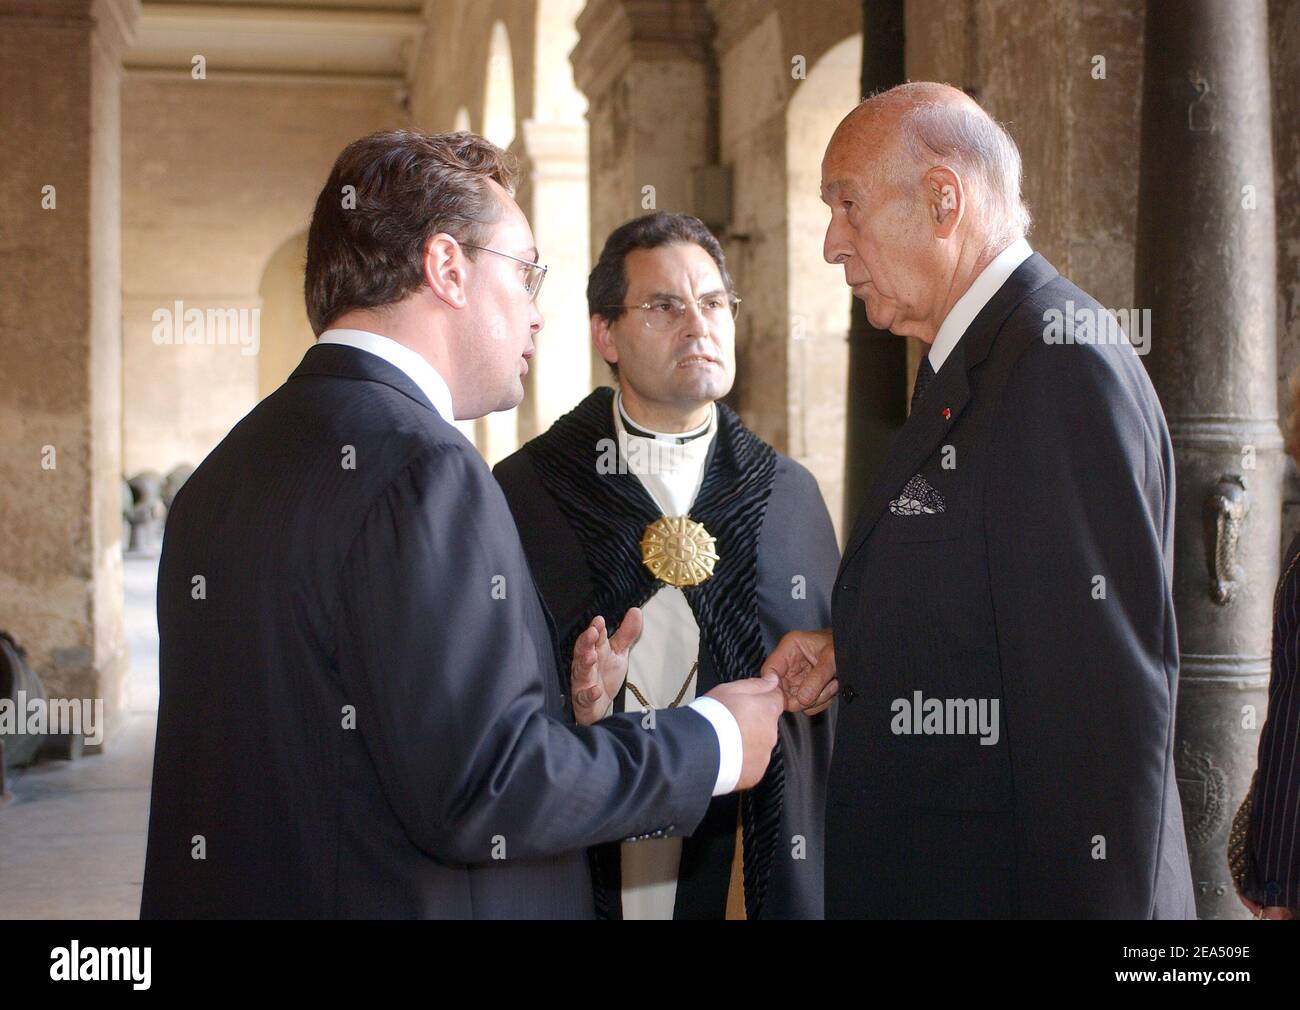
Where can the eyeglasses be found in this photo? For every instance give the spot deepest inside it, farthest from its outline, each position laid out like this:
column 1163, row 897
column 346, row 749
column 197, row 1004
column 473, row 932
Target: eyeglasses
column 536, row 272
column 663, row 314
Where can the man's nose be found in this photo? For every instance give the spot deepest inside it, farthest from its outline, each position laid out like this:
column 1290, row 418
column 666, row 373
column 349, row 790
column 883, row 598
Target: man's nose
column 836, row 247
column 693, row 321
column 536, row 319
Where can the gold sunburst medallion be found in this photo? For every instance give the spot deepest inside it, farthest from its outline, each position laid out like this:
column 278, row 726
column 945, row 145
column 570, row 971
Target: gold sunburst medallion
column 679, row 551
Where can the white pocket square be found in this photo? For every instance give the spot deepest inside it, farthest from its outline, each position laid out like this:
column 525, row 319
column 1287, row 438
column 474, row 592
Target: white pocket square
column 918, row 498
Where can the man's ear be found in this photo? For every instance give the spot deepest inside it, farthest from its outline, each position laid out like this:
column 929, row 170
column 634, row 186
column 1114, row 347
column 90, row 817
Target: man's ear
column 945, row 200
column 603, row 340
column 444, row 270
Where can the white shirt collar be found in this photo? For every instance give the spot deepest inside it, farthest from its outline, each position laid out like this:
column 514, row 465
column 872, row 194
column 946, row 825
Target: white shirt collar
column 411, row 363
column 968, row 306
column 676, row 437
column 671, row 472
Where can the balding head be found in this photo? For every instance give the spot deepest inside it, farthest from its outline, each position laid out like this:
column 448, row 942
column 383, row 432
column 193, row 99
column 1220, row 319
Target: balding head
column 924, row 190
column 900, row 133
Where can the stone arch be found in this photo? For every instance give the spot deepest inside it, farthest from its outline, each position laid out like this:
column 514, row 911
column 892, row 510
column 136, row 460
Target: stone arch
column 819, row 304
column 499, row 90
column 553, row 191
column 498, row 67
column 497, row 434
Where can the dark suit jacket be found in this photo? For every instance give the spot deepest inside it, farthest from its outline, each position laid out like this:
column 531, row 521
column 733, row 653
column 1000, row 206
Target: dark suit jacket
column 797, row 539
column 360, row 710
column 1060, row 475
column 1275, row 810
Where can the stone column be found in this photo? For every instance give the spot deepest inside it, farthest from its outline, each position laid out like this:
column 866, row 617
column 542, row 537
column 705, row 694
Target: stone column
column 553, row 194
column 1206, row 269
column 647, row 69
column 878, row 375
column 61, row 340
column 552, row 191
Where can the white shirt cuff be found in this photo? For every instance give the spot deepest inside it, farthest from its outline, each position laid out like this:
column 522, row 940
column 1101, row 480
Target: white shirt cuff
column 731, row 750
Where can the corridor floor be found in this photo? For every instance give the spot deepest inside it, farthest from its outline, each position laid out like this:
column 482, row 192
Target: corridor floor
column 72, row 839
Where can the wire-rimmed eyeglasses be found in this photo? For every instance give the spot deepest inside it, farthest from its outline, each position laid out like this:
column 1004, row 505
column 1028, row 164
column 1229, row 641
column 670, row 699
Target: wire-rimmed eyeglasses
column 664, row 313
column 536, row 271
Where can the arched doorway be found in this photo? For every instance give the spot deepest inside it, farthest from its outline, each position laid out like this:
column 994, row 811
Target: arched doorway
column 497, row 434
column 819, row 302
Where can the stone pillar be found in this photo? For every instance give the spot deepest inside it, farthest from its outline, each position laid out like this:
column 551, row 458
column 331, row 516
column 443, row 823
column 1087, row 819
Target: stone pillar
column 552, row 191
column 878, row 375
column 553, row 194
column 647, row 69
column 1206, row 269
column 61, row 341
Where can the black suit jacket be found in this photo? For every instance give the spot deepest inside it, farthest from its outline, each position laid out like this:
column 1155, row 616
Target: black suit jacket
column 1044, row 585
column 360, row 710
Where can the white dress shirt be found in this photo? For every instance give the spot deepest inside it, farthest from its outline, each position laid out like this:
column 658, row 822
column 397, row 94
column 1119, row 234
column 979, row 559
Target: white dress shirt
column 968, row 306
column 412, row 363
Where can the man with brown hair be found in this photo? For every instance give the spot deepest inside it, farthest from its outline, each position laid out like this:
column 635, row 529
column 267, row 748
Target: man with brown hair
column 361, row 713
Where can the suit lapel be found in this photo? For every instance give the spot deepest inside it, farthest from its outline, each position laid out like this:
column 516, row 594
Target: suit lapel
column 949, row 390
column 922, row 433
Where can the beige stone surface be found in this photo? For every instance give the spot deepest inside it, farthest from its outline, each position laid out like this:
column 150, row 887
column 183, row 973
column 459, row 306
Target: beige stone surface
column 217, row 177
column 60, row 343
column 171, row 189
column 786, row 80
column 72, row 839
column 1284, row 32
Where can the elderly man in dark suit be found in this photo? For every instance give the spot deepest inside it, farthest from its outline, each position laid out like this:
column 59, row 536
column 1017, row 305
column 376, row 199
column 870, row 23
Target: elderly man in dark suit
column 361, row 713
column 1003, row 640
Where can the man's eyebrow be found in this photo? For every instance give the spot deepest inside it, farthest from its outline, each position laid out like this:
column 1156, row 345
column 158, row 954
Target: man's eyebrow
column 532, row 249
column 838, row 188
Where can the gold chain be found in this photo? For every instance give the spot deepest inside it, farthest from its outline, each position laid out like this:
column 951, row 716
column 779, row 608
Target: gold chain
column 680, row 694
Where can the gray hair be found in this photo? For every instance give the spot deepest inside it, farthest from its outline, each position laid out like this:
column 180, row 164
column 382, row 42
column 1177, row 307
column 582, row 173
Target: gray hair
column 970, row 142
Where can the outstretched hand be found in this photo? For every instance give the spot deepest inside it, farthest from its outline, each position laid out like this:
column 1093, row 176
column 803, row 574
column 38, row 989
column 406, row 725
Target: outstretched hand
column 600, row 666
column 804, row 661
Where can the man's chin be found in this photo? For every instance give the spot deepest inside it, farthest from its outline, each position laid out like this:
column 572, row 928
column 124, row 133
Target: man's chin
column 509, row 401
column 700, row 388
column 878, row 319
column 515, row 397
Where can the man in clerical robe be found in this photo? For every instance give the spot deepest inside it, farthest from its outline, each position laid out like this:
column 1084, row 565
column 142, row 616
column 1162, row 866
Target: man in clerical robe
column 655, row 496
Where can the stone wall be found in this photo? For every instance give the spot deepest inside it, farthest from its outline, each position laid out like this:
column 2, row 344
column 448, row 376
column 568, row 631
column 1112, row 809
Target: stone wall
column 216, row 178
column 60, row 342
column 533, row 109
column 786, row 80
column 1284, row 30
